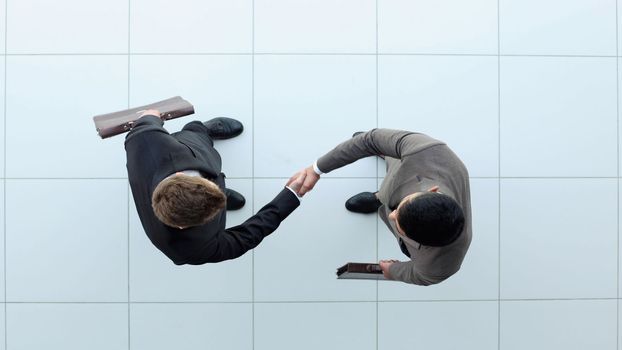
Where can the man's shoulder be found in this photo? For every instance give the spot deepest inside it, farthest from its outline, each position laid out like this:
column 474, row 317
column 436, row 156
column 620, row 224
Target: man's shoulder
column 185, row 246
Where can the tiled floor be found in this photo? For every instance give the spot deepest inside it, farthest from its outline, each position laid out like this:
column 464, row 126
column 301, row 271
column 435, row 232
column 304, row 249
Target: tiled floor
column 526, row 92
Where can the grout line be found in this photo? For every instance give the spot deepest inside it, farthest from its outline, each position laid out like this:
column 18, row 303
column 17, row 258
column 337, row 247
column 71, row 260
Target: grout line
column 618, row 183
column 6, row 336
column 129, row 319
column 65, row 178
column 334, row 178
column 499, row 173
column 320, row 301
column 129, row 57
column 192, row 302
column 377, row 182
column 496, row 55
column 253, row 170
column 534, row 177
column 300, row 54
column 554, row 299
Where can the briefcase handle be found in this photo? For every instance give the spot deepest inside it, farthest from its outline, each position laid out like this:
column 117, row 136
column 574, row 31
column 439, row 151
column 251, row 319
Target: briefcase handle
column 373, row 268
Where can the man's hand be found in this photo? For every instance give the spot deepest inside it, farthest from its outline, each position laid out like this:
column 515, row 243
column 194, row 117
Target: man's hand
column 296, row 182
column 385, row 265
column 311, row 178
column 154, row 112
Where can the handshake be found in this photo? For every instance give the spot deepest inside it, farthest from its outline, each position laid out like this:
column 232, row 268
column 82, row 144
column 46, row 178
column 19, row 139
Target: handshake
column 303, row 181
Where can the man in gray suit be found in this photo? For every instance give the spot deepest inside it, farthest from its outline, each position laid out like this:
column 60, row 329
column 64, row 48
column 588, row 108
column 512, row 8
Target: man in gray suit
column 424, row 200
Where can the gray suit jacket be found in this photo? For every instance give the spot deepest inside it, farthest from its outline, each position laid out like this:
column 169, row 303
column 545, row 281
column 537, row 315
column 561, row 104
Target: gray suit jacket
column 415, row 163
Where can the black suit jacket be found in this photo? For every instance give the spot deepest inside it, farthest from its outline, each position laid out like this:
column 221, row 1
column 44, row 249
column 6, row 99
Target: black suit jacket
column 152, row 155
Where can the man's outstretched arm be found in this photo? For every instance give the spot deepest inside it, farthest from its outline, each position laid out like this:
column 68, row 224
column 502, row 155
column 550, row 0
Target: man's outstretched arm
column 377, row 142
column 149, row 122
column 235, row 241
column 406, row 272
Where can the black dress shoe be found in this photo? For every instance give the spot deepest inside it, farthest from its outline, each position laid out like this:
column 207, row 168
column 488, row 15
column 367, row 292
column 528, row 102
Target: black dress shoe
column 224, row 128
column 364, row 203
column 235, row 200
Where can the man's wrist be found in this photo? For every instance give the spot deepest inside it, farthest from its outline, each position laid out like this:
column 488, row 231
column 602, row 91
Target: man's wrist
column 316, row 169
column 294, row 192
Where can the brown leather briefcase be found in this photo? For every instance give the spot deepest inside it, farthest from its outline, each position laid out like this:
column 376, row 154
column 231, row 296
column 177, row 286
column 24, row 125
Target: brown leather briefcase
column 116, row 123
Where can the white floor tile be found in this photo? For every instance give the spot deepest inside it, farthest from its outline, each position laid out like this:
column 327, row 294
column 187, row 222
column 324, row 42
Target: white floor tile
column 3, row 20
column 619, row 241
column 2, row 118
column 298, row 262
column 558, row 117
column 217, row 86
column 557, row 27
column 191, row 26
column 558, row 324
column 74, row 248
column 453, row 99
column 191, row 326
column 437, row 326
column 153, row 277
column 2, row 252
column 67, row 26
column 619, row 112
column 479, row 276
column 54, row 98
column 67, row 326
column 555, row 241
column 2, row 329
column 444, row 26
column 315, row 26
column 307, row 105
column 311, row 326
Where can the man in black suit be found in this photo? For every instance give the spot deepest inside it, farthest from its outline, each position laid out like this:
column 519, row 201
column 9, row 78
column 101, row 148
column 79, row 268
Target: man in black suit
column 179, row 191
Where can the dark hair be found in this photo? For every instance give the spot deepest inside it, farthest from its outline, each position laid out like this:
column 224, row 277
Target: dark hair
column 184, row 201
column 432, row 219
